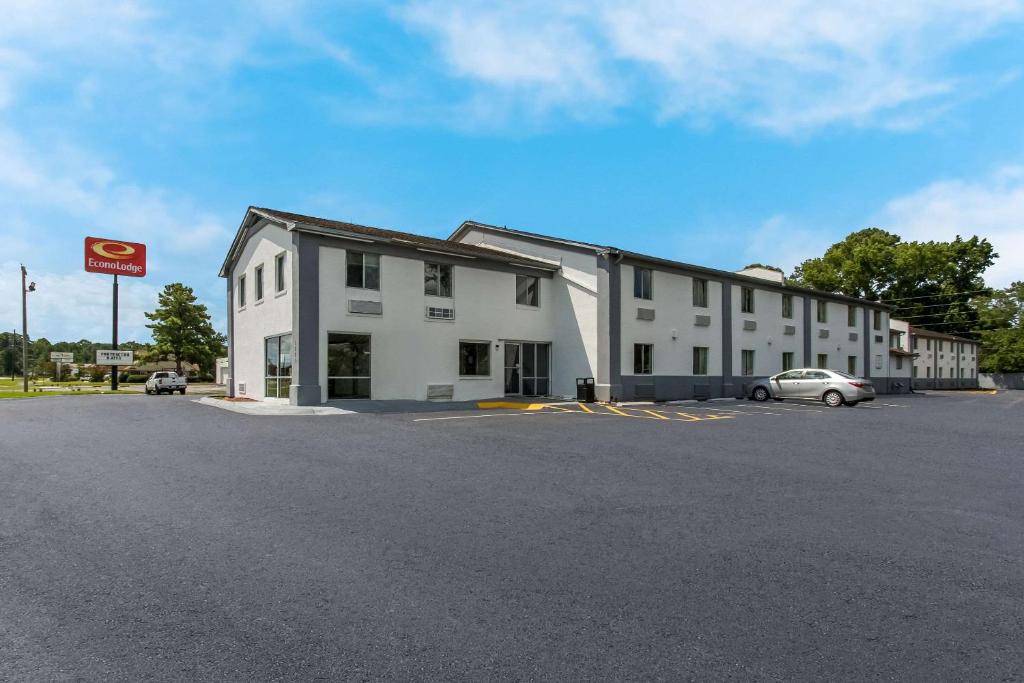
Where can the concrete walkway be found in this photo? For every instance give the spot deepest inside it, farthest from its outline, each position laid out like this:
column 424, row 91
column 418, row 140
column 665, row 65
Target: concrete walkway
column 264, row 408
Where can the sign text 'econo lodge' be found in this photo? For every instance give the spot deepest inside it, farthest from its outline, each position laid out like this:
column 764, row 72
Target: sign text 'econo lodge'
column 114, row 257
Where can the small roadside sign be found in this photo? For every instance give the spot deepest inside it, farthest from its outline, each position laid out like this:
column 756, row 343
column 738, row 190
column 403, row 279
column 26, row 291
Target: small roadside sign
column 62, row 357
column 114, row 357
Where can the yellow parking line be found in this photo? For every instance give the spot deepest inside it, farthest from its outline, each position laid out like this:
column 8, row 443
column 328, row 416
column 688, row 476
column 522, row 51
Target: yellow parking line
column 511, row 405
column 617, row 411
column 657, row 415
column 584, row 408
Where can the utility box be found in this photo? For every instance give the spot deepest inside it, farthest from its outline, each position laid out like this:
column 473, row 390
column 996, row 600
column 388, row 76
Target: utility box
column 585, row 389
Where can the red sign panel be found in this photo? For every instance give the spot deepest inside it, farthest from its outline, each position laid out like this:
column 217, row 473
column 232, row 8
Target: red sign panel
column 115, row 257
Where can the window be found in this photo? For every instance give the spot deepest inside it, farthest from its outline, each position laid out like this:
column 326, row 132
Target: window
column 747, row 299
column 913, row 343
column 787, row 360
column 876, row 317
column 643, row 279
column 279, row 273
column 929, row 373
column 527, row 290
column 940, row 372
column 747, row 362
column 851, row 365
column 241, row 291
column 914, row 371
column 348, row 365
column 822, row 311
column 787, row 305
column 363, row 270
column 700, row 360
column 899, row 362
column 961, row 373
column 259, row 283
column 700, row 292
column 643, row 359
column 475, row 359
column 928, row 344
column 851, row 316
column 278, row 373
column 437, row 279
column 823, row 361
column 942, row 346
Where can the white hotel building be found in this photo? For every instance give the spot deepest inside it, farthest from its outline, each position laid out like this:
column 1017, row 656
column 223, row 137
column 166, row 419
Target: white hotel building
column 322, row 309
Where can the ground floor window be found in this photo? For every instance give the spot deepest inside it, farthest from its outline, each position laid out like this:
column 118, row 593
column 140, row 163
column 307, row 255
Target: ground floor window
column 278, row 364
column 915, row 371
column 700, row 360
column 348, row 365
column 899, row 363
column 940, row 371
column 643, row 359
column 823, row 361
column 787, row 360
column 475, row 359
column 851, row 365
column 747, row 362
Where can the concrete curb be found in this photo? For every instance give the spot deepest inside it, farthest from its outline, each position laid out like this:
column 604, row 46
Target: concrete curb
column 275, row 409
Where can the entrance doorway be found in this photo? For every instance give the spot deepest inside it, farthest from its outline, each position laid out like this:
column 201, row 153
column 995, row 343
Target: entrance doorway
column 527, row 368
column 348, row 365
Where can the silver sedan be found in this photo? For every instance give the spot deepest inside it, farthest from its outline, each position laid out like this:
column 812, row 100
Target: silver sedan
column 831, row 386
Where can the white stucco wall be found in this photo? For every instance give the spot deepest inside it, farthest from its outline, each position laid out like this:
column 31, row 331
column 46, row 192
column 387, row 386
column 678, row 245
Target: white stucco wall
column 768, row 341
column 410, row 352
column 672, row 332
column 838, row 345
column 258, row 320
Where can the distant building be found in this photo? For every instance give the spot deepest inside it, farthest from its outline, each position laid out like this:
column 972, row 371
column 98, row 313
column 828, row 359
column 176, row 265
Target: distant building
column 901, row 357
column 943, row 361
column 223, row 376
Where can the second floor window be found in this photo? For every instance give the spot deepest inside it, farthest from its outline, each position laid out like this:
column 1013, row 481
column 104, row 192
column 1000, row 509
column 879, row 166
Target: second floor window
column 700, row 292
column 527, row 290
column 643, row 279
column 851, row 316
column 437, row 279
column 822, row 311
column 747, row 299
column 279, row 273
column 877, row 315
column 787, row 305
column 241, row 291
column 259, row 283
column 362, row 270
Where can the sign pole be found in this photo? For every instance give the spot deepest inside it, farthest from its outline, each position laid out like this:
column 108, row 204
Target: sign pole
column 113, row 368
column 24, row 332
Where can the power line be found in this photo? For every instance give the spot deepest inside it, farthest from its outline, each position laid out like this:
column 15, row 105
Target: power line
column 932, row 296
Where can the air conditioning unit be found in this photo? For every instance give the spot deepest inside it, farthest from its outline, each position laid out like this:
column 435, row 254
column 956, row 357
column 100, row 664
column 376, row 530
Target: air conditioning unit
column 436, row 313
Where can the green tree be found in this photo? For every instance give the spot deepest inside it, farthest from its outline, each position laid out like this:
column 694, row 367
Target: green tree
column 931, row 284
column 182, row 329
column 1001, row 317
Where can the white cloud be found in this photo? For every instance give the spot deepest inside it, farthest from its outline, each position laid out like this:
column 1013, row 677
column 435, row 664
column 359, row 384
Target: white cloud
column 786, row 66
column 77, row 305
column 992, row 207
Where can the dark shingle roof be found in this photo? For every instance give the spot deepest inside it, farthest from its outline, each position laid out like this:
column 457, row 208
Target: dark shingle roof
column 398, row 236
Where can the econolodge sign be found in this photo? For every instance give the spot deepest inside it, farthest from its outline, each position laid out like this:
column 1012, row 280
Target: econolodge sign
column 115, row 257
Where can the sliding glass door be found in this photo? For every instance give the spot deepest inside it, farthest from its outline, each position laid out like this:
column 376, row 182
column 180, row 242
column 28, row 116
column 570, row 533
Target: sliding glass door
column 527, row 368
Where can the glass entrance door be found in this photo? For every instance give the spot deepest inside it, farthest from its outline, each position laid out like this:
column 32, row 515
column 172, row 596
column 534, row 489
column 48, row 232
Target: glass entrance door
column 513, row 368
column 348, row 365
column 527, row 368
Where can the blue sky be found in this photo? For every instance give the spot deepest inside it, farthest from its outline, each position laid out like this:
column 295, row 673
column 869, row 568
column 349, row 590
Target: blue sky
column 717, row 133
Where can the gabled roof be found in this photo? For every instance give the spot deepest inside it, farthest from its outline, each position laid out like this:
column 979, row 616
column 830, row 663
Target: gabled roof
column 470, row 225
column 341, row 229
column 921, row 332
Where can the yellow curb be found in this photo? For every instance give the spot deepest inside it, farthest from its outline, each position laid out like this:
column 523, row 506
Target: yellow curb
column 492, row 405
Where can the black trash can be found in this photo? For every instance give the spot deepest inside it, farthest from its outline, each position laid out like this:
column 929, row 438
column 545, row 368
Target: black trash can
column 585, row 389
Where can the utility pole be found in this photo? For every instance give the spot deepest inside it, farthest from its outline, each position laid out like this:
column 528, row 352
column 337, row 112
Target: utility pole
column 24, row 327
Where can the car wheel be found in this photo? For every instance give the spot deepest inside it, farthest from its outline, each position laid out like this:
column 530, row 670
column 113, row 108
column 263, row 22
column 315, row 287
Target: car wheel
column 760, row 394
column 833, row 399
column 182, row 392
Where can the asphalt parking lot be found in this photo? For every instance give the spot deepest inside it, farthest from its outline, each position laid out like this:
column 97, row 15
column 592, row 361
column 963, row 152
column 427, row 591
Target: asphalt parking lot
column 156, row 538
